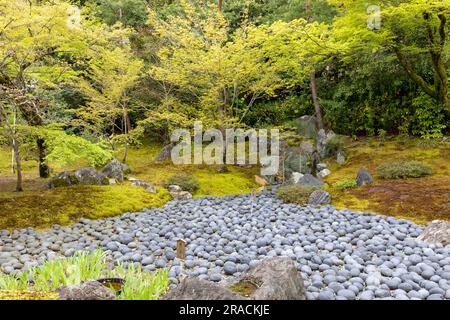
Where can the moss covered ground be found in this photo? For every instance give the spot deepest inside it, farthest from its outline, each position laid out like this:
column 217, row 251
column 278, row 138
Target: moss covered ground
column 40, row 208
column 418, row 199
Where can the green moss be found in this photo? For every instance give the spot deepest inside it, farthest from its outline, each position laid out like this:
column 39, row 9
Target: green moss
column 345, row 184
column 420, row 200
column 37, row 207
column 236, row 181
column 67, row 205
column 245, row 288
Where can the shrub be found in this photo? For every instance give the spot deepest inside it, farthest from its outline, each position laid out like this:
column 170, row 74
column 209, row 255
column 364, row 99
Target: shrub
column 345, row 184
column 140, row 285
column 185, row 181
column 403, row 170
column 295, row 193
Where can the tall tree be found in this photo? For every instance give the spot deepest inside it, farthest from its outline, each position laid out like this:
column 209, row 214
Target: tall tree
column 111, row 74
column 411, row 30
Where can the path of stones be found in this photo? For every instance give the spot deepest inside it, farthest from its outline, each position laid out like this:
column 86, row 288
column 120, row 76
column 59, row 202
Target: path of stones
column 340, row 254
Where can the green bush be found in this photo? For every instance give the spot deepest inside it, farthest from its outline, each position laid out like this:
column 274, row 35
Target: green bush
column 345, row 184
column 295, row 193
column 403, row 170
column 185, row 181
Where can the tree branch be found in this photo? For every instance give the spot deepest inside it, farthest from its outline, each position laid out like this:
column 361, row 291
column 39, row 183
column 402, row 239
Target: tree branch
column 413, row 75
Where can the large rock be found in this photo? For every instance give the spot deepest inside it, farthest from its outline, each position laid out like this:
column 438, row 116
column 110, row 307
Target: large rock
column 319, row 197
column 165, row 153
column 115, row 170
column 323, row 173
column 306, row 126
column 83, row 176
column 310, row 181
column 197, row 289
column 275, row 278
column 297, row 159
column 323, row 143
column 363, row 177
column 138, row 183
column 92, row 290
column 436, row 232
column 178, row 194
column 341, row 157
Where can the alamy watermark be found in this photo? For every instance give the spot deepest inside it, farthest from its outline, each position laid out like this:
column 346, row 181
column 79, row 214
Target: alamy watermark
column 228, row 149
column 374, row 20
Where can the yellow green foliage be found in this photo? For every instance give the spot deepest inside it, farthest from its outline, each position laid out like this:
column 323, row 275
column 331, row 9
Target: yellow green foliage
column 345, row 184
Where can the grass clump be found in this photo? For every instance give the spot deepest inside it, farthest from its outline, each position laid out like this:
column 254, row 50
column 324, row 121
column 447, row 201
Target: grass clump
column 403, row 170
column 140, row 285
column 295, row 193
column 345, row 184
column 83, row 266
column 187, row 182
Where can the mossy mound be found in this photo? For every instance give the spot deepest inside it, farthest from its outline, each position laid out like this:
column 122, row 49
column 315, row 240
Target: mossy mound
column 64, row 206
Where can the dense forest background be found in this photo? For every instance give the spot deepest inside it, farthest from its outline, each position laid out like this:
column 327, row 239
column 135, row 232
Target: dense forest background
column 78, row 81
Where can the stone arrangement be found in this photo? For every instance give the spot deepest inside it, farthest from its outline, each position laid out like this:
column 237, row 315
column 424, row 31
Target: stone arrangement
column 339, row 254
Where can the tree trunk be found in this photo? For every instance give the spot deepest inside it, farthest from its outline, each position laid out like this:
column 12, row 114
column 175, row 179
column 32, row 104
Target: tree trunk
column 220, row 5
column 317, row 107
column 19, row 187
column 44, row 170
column 126, row 125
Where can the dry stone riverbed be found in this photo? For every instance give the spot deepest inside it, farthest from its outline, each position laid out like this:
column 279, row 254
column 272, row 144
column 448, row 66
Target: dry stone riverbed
column 340, row 254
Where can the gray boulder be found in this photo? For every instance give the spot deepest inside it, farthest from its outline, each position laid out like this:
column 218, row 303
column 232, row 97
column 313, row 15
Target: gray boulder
column 197, row 289
column 297, row 160
column 178, row 194
column 92, row 290
column 138, row 183
column 310, row 181
column 275, row 278
column 328, row 144
column 116, row 170
column 436, row 232
column 341, row 158
column 165, row 153
column 83, row 176
column 306, row 126
column 363, row 177
column 319, row 197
